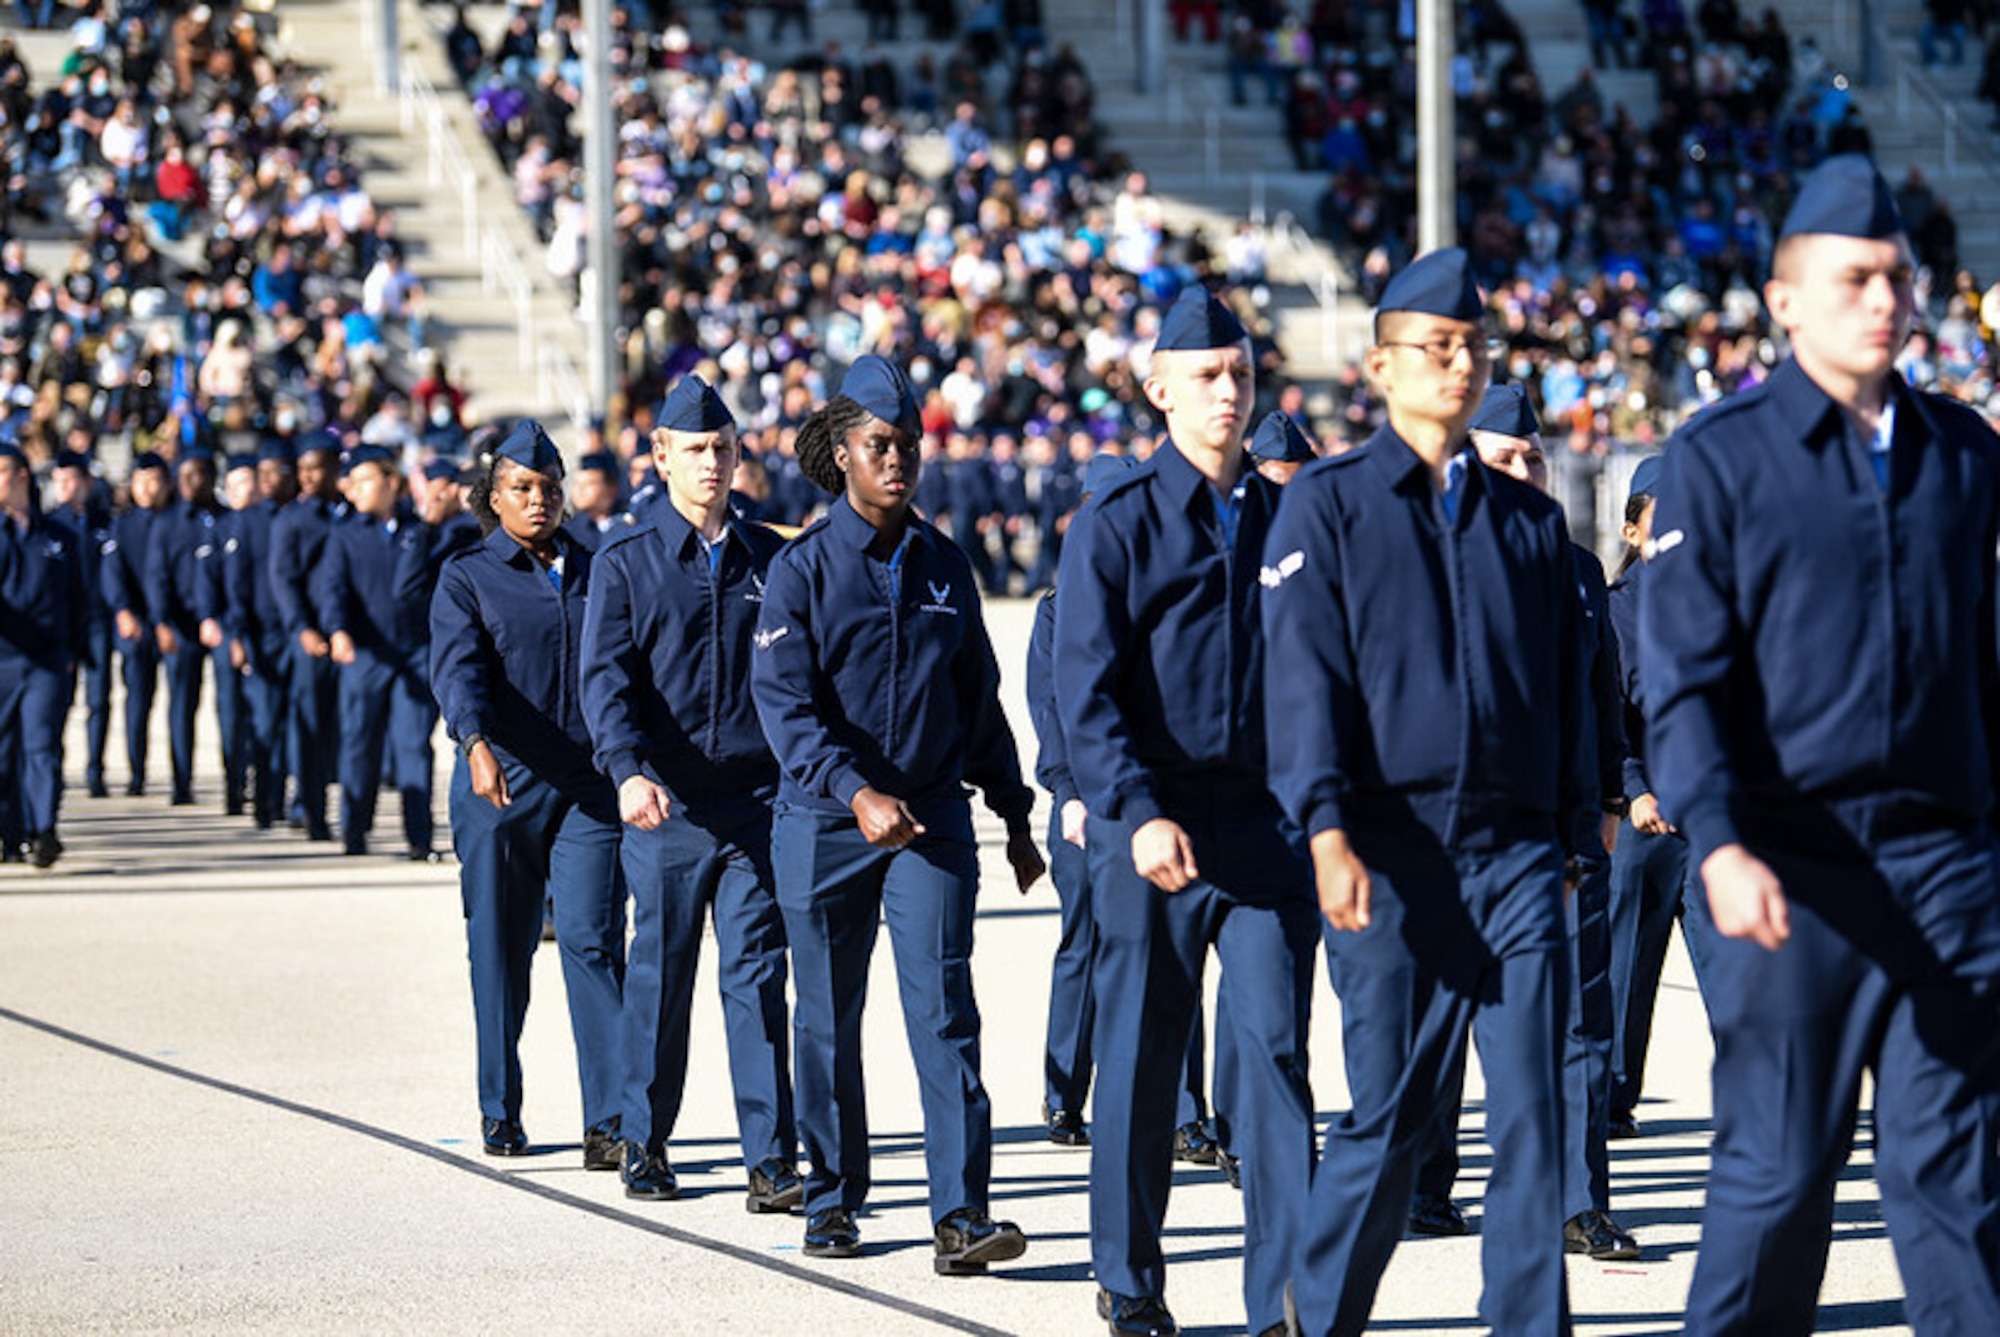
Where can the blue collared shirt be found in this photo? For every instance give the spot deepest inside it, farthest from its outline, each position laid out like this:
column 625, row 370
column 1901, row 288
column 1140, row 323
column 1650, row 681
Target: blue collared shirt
column 873, row 668
column 1158, row 651
column 1806, row 632
column 1052, row 770
column 123, row 572
column 377, row 583
column 667, row 646
column 504, row 657
column 42, row 608
column 1424, row 669
column 181, row 562
column 298, row 541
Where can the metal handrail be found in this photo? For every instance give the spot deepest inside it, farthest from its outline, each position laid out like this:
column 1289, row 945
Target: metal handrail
column 1284, row 231
column 500, row 268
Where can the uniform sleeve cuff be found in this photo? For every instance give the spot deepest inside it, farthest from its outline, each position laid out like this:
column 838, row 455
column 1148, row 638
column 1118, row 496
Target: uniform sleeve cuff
column 1637, row 783
column 1323, row 815
column 846, row 784
column 621, row 765
column 1708, row 827
column 1136, row 808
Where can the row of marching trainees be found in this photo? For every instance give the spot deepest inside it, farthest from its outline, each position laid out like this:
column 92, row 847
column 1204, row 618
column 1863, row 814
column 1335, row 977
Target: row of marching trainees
column 1386, row 711
column 1375, row 706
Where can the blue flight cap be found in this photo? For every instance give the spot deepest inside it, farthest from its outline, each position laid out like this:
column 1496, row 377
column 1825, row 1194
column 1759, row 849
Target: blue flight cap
column 321, row 441
column 1438, row 283
column 12, row 452
column 880, row 387
column 693, row 406
column 441, row 470
column 1645, row 479
column 367, row 454
column 1506, row 410
column 1103, row 470
column 275, row 448
column 1279, row 440
column 1199, row 320
column 1847, row 197
column 148, row 459
column 195, row 454
column 242, row 459
column 72, row 459
column 599, row 462
column 529, row 446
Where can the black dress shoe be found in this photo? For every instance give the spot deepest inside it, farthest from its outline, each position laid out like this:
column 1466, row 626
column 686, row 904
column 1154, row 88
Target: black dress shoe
column 1136, row 1316
column 775, row 1187
column 503, row 1137
column 1065, row 1127
column 1621, row 1127
column 418, row 854
column 647, row 1175
column 601, row 1148
column 1595, row 1233
column 968, row 1239
column 232, row 807
column 1435, row 1214
column 183, row 798
column 1193, row 1143
column 832, row 1234
column 44, row 849
column 98, row 789
column 354, row 846
column 1232, row 1169
column 135, row 789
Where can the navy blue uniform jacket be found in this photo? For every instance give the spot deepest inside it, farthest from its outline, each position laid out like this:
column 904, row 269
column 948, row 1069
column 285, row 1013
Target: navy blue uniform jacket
column 123, row 573
column 1805, row 633
column 505, row 656
column 1424, row 674
column 1052, row 770
column 249, row 596
column 181, row 546
column 666, row 659
column 1625, row 621
column 298, row 542
column 1158, row 652
column 43, row 612
column 874, row 669
column 377, row 583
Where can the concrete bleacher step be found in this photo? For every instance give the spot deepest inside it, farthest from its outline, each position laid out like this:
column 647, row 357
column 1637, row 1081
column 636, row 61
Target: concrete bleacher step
column 478, row 331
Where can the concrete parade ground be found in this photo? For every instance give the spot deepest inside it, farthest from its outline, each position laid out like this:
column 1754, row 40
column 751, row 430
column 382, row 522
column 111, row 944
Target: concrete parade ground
column 236, row 1094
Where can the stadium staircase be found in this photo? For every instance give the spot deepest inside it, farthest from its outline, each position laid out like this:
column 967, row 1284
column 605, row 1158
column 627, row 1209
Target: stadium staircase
column 507, row 330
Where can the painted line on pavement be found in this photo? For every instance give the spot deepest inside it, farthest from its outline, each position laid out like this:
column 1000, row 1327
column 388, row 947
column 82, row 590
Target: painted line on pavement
column 733, row 1251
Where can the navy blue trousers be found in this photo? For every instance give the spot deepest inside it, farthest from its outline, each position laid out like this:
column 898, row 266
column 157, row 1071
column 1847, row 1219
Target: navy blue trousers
column 96, row 674
column 266, row 746
column 541, row 844
column 694, row 866
column 312, row 688
column 1151, row 949
column 397, row 738
column 1073, row 1009
column 1587, row 1045
column 1893, row 966
column 34, row 702
column 835, row 890
column 1066, row 1064
column 1458, row 941
column 183, row 704
column 1648, row 875
column 139, row 665
column 232, row 720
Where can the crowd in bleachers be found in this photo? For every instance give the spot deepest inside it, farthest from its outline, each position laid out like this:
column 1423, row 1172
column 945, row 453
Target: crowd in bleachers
column 231, row 277
column 775, row 224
